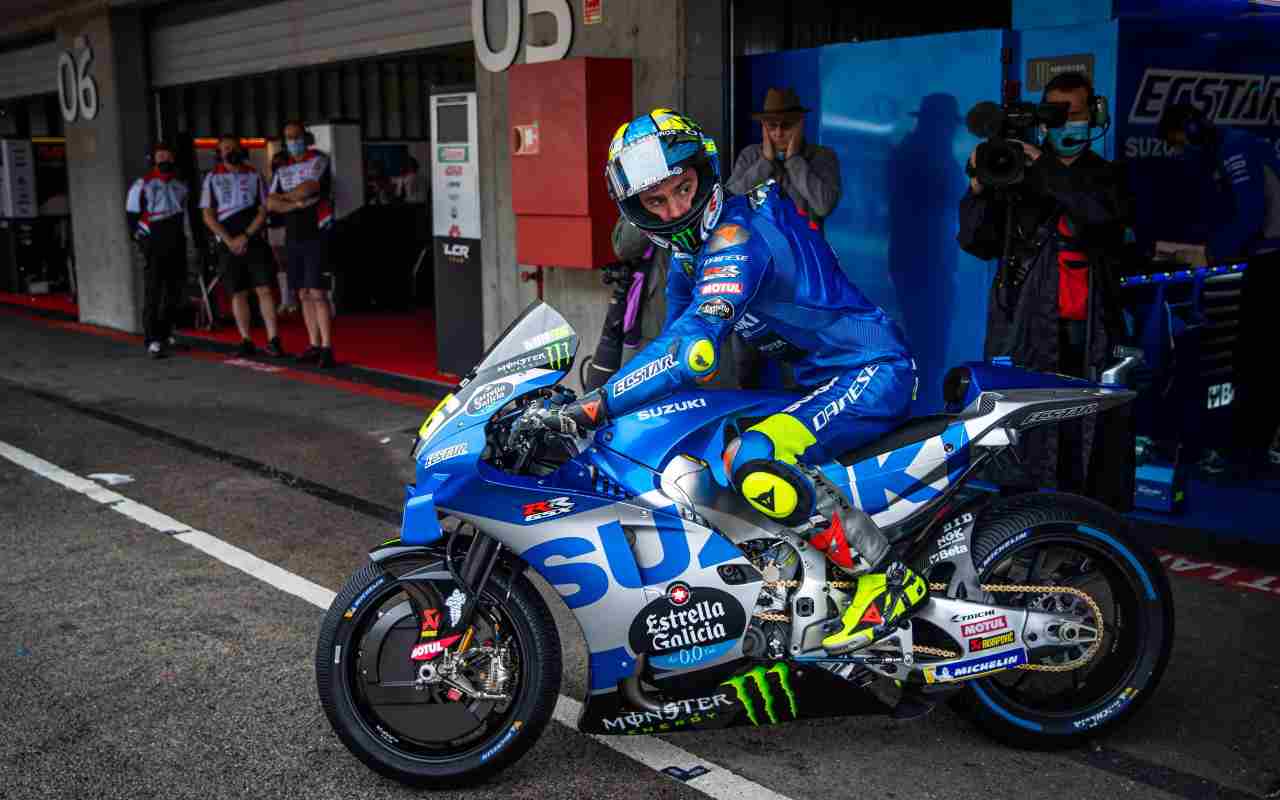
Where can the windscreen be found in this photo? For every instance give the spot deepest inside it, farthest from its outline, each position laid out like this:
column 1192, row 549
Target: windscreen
column 539, row 338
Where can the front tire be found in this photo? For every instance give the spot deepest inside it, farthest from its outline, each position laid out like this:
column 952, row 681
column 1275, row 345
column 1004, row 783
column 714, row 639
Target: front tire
column 1061, row 539
column 429, row 737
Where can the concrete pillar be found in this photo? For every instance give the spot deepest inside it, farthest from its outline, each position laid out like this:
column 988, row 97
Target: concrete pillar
column 656, row 37
column 104, row 155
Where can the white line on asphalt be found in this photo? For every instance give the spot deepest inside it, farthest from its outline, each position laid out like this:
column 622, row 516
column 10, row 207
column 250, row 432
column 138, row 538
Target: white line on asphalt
column 656, row 754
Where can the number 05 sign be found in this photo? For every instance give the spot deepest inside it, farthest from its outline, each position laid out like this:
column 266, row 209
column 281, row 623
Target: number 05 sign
column 77, row 91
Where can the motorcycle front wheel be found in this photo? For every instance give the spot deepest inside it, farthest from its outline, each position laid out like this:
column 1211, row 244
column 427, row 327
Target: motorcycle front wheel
column 415, row 721
column 1070, row 541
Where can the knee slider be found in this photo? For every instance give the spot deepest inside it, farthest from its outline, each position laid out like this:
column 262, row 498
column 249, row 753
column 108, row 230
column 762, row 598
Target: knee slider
column 775, row 489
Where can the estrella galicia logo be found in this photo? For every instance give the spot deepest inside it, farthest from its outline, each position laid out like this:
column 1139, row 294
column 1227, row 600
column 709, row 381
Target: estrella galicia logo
column 718, row 308
column 766, row 694
column 488, row 397
column 687, row 617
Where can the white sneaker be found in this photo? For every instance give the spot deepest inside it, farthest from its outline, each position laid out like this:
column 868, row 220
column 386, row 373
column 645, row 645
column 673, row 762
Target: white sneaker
column 155, row 349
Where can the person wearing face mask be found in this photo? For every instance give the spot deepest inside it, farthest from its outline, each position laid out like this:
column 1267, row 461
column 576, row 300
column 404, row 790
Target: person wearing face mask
column 1056, row 307
column 301, row 190
column 156, row 209
column 1246, row 174
column 234, row 207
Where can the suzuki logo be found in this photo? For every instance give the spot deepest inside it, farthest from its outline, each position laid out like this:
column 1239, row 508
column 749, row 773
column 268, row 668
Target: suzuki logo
column 533, row 54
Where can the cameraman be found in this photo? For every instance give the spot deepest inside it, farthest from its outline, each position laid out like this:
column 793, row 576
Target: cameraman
column 1054, row 299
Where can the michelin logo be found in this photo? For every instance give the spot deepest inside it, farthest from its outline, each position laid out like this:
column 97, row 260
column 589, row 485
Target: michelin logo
column 975, row 667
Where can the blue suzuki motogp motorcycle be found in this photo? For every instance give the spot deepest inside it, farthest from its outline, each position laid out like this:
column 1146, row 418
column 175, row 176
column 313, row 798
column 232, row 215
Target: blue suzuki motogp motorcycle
column 439, row 662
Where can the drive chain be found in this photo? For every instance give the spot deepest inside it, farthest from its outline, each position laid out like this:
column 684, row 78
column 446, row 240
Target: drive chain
column 997, row 588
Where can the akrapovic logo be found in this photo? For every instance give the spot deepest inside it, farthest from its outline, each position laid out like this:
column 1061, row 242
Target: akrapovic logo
column 650, row 370
column 1228, row 98
column 1059, row 414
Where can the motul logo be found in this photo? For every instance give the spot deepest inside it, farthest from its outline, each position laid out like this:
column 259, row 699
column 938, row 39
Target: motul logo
column 429, row 650
column 986, row 626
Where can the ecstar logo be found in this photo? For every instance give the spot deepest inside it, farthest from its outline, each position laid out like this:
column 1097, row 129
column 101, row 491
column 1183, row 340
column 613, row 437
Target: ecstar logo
column 1227, row 98
column 650, row 370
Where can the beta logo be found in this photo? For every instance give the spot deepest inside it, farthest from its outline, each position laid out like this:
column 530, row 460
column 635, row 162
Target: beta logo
column 429, row 650
column 547, row 508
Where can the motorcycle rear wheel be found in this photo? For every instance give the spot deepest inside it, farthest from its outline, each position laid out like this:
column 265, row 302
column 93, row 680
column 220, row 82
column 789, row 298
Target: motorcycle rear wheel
column 422, row 737
column 1062, row 539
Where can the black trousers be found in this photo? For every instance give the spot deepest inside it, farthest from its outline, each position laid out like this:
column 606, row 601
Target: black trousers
column 1256, row 412
column 1109, row 475
column 166, row 276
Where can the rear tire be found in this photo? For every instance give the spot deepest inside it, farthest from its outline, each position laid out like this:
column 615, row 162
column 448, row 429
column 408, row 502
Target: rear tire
column 1137, row 639
column 535, row 688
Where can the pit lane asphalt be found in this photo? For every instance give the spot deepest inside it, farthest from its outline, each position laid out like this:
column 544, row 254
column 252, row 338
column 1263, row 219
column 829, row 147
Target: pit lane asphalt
column 135, row 666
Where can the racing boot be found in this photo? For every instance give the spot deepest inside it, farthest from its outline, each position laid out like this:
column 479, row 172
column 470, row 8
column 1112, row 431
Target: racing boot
column 881, row 600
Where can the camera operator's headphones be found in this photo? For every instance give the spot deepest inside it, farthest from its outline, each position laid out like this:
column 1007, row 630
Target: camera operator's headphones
column 1099, row 116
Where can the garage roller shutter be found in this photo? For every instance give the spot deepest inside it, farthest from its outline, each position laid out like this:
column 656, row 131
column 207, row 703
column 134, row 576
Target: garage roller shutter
column 30, row 71
column 302, row 33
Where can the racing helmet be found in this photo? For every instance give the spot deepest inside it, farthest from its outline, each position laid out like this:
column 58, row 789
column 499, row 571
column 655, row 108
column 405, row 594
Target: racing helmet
column 648, row 150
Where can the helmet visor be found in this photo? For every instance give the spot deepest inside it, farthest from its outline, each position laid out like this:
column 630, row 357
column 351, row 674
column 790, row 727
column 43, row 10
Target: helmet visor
column 648, row 161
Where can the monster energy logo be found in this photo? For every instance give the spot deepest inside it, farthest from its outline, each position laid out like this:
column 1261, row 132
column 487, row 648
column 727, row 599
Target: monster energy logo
column 685, row 239
column 760, row 676
column 557, row 354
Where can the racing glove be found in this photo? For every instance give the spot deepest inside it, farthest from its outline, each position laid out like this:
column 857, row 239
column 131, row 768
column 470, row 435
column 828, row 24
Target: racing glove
column 584, row 414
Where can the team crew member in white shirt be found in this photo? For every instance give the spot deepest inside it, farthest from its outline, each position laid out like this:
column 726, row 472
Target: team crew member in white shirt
column 235, row 209
column 301, row 191
column 156, row 206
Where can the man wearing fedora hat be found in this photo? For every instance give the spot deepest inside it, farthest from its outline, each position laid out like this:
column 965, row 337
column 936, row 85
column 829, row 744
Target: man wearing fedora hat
column 808, row 174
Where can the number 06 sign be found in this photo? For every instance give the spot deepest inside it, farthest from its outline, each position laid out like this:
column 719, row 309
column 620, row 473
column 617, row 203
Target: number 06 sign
column 77, row 91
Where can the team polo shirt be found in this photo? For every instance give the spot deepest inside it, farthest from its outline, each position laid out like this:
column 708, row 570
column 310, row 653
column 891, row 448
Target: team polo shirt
column 157, row 198
column 317, row 215
column 236, row 193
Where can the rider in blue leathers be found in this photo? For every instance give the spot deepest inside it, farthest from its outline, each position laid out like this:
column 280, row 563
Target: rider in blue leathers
column 754, row 264
column 1247, row 173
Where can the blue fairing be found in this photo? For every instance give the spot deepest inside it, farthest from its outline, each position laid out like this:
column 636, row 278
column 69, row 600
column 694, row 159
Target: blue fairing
column 691, row 423
column 992, row 377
